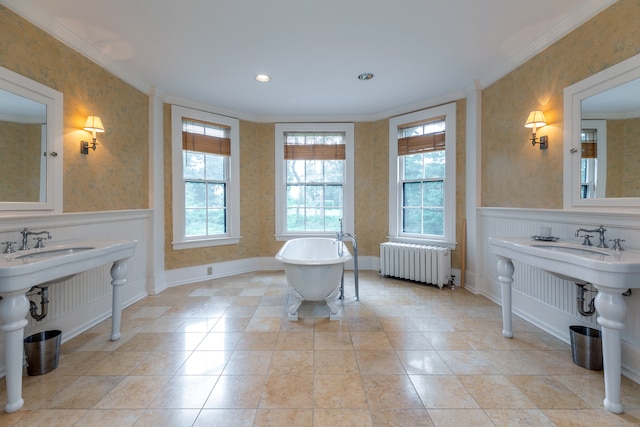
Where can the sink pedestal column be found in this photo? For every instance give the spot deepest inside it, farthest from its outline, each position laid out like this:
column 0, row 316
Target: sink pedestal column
column 119, row 271
column 611, row 310
column 13, row 312
column 505, row 277
column 14, row 307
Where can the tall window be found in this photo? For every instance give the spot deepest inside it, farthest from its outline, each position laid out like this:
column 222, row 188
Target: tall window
column 314, row 168
column 205, row 178
column 421, row 151
column 206, row 148
column 422, row 176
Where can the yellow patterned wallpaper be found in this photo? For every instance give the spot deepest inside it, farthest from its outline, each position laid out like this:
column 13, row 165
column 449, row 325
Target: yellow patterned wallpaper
column 461, row 176
column 371, row 185
column 257, row 195
column 20, row 170
column 623, row 158
column 115, row 176
column 615, row 158
column 257, row 192
column 515, row 174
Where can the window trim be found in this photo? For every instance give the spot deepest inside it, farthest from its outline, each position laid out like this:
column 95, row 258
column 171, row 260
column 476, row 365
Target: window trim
column 178, row 196
column 348, row 187
column 395, row 183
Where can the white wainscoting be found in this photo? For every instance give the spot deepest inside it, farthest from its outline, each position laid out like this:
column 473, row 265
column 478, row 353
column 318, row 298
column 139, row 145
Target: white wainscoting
column 84, row 300
column 543, row 299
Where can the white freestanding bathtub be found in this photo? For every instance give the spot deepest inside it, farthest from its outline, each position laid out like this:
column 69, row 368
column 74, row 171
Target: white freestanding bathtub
column 313, row 267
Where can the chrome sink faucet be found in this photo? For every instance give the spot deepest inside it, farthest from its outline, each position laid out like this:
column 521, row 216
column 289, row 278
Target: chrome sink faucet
column 9, row 248
column 616, row 244
column 25, row 235
column 599, row 230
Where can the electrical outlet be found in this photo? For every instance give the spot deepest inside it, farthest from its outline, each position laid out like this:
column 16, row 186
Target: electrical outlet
column 209, row 271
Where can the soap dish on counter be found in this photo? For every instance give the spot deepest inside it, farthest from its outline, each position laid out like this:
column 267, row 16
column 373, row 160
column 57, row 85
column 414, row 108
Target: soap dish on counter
column 545, row 239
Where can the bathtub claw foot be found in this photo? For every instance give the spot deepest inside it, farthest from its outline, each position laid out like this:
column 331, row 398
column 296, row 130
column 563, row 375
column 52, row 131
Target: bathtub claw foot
column 335, row 312
column 293, row 310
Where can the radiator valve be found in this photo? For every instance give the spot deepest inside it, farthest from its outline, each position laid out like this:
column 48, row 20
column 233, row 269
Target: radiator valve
column 451, row 282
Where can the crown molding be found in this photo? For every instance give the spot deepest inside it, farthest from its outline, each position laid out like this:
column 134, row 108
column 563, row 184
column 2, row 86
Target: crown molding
column 590, row 9
column 72, row 40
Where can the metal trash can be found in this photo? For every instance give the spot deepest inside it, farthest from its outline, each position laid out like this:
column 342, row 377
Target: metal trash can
column 42, row 351
column 586, row 347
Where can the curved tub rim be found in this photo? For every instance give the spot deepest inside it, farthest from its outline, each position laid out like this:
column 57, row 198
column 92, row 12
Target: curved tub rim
column 304, row 261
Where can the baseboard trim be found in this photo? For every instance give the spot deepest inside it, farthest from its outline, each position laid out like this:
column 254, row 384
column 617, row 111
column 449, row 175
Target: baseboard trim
column 199, row 273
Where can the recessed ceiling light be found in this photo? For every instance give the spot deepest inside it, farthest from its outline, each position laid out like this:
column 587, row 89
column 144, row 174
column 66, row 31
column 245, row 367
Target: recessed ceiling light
column 262, row 78
column 365, row 76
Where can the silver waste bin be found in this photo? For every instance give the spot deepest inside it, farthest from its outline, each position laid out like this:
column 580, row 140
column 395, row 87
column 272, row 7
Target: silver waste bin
column 42, row 351
column 586, row 347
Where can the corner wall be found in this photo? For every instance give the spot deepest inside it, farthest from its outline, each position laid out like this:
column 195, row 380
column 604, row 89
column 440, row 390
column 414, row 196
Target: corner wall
column 115, row 176
column 515, row 174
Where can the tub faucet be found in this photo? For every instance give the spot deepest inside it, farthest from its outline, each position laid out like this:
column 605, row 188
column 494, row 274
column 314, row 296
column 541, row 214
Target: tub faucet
column 599, row 230
column 25, row 235
column 340, row 238
column 340, row 235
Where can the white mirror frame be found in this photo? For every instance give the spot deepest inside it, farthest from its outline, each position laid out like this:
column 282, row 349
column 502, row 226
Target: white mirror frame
column 573, row 95
column 20, row 85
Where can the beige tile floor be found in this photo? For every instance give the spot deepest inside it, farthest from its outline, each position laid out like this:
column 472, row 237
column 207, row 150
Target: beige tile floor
column 222, row 353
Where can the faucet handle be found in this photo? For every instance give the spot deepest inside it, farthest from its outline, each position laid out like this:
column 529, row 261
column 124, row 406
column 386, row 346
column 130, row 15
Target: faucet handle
column 39, row 244
column 616, row 244
column 587, row 240
column 9, row 248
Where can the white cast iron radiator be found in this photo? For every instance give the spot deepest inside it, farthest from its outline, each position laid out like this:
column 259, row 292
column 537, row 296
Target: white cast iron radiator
column 428, row 264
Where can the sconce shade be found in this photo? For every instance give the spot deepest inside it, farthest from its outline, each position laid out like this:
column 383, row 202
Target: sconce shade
column 535, row 120
column 94, row 124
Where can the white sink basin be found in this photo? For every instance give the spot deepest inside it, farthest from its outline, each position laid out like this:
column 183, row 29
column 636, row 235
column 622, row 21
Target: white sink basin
column 23, row 269
column 571, row 249
column 574, row 262
column 48, row 253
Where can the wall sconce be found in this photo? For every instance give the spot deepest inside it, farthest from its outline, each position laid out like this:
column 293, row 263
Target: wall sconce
column 535, row 120
column 93, row 125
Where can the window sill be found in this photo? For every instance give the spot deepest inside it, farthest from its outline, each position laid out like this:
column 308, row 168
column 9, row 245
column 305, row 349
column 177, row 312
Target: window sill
column 203, row 243
column 424, row 241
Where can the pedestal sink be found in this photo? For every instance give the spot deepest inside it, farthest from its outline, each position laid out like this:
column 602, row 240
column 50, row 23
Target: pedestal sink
column 22, row 270
column 611, row 272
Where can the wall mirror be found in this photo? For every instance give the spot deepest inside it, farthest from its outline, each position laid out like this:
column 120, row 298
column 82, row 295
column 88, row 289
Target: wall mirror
column 602, row 138
column 30, row 145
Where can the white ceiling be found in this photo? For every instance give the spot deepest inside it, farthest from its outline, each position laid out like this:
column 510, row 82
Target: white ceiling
column 207, row 52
